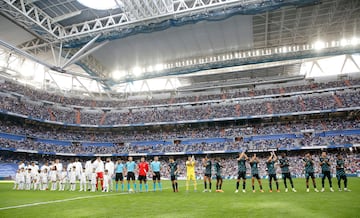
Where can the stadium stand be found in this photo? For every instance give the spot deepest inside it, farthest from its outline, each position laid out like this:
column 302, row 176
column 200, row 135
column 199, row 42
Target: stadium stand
column 296, row 101
column 286, row 136
column 259, row 96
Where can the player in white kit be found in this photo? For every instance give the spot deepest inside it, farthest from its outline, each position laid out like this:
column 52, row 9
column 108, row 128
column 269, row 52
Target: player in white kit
column 37, row 180
column 59, row 167
column 78, row 168
column 21, row 165
column 93, row 180
column 22, row 179
column 28, row 179
column 17, row 180
column 88, row 171
column 63, row 179
column 53, row 178
column 44, row 175
column 83, row 181
column 106, row 181
column 110, row 167
column 72, row 178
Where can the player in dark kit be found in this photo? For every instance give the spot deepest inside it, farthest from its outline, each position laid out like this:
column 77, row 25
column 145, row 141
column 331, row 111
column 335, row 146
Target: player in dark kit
column 270, row 164
column 254, row 161
column 284, row 165
column 219, row 179
column 207, row 177
column 309, row 171
column 174, row 170
column 241, row 171
column 340, row 172
column 325, row 170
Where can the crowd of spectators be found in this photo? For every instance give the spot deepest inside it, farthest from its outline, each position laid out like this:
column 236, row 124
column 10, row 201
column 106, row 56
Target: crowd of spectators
column 118, row 101
column 155, row 134
column 207, row 147
column 228, row 161
column 115, row 148
column 308, row 102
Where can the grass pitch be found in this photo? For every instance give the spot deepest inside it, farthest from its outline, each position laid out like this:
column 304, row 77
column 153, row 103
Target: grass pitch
column 193, row 204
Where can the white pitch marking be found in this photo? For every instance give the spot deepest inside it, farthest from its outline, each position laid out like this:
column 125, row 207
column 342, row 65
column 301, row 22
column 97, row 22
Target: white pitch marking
column 58, row 201
column 63, row 200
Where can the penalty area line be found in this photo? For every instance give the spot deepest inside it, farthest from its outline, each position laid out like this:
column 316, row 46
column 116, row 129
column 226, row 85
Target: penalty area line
column 59, row 201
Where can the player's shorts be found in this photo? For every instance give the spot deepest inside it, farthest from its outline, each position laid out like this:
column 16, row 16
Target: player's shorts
column 142, row 178
column 307, row 175
column 341, row 177
column 58, row 174
column 208, row 175
column 119, row 177
column 190, row 176
column 156, row 176
column 130, row 176
column 256, row 176
column 88, row 176
column 272, row 176
column 173, row 178
column 218, row 177
column 286, row 176
column 100, row 175
column 326, row 174
column 241, row 175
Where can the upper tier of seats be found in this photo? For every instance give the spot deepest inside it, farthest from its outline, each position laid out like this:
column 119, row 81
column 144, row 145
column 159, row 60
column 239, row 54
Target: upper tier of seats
column 118, row 101
column 226, row 110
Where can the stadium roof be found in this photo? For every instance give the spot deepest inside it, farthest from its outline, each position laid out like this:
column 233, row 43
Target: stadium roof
column 173, row 36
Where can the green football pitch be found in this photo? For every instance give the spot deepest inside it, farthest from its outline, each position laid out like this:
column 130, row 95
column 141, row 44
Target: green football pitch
column 193, row 204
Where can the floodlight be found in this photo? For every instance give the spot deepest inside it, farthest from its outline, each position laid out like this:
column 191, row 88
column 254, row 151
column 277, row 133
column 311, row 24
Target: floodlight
column 116, row 75
column 150, row 69
column 159, row 67
column 318, row 45
column 137, row 71
column 344, row 42
column 354, row 41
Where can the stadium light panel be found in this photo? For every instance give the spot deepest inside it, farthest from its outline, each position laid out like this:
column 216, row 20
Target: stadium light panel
column 159, row 67
column 150, row 69
column 318, row 45
column 354, row 41
column 117, row 75
column 344, row 42
column 101, row 5
column 137, row 71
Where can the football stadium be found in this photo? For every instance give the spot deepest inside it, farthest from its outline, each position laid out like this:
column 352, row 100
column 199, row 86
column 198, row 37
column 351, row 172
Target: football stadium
column 180, row 108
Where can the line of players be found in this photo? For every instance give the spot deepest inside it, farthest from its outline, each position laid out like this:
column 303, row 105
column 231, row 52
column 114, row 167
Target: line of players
column 271, row 163
column 56, row 177
column 31, row 177
column 309, row 163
